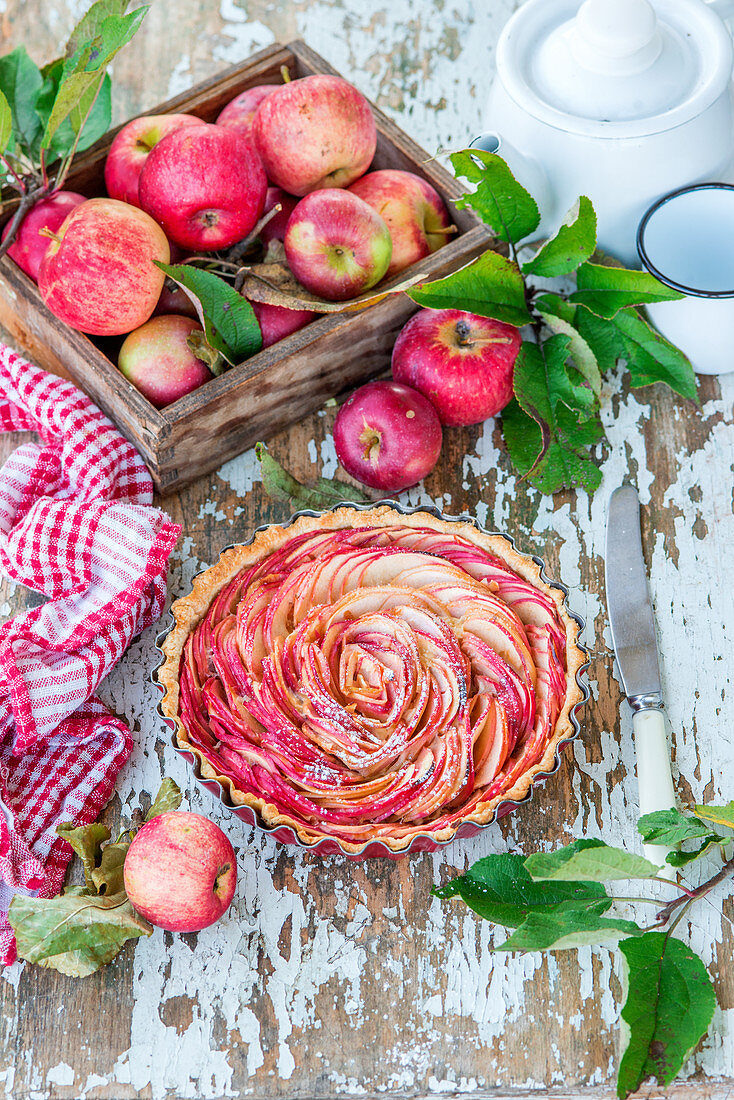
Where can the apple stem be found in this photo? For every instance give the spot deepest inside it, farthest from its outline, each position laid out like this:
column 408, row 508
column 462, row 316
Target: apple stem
column 445, row 231
column 46, row 232
column 464, row 337
column 371, row 440
column 238, row 250
column 285, row 73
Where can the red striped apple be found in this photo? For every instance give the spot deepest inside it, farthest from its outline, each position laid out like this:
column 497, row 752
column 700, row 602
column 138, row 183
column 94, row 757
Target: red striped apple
column 29, row 247
column 240, row 111
column 413, row 211
column 463, row 363
column 315, row 132
column 205, row 185
column 277, row 322
column 131, row 148
column 336, row 245
column 98, row 274
column 157, row 360
column 180, row 871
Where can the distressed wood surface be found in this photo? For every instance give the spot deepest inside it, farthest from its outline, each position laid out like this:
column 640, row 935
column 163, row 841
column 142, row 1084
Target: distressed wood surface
column 328, row 978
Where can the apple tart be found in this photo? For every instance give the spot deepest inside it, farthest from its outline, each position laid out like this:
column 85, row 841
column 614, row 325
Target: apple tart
column 372, row 676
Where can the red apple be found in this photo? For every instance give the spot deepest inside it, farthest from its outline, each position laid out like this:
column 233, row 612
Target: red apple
column 274, row 230
column 130, row 149
column 180, row 871
column 240, row 111
column 387, row 435
column 336, row 245
column 413, row 211
column 98, row 274
column 29, row 247
column 158, row 361
column 461, row 362
column 205, row 185
column 315, row 132
column 277, row 322
column 174, row 300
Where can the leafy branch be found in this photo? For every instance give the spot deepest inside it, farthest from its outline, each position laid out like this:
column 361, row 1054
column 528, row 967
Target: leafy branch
column 49, row 114
column 85, row 926
column 556, row 900
column 574, row 336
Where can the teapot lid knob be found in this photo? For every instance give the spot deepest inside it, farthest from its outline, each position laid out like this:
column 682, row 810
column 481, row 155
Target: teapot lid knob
column 616, row 38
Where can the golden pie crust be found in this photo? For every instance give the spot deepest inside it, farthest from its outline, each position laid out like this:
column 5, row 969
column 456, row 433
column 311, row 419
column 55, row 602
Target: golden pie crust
column 188, row 612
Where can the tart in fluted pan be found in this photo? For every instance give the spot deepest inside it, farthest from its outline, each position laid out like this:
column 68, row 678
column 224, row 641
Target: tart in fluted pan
column 369, row 675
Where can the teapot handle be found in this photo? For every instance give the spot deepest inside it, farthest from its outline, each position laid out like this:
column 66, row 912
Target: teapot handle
column 723, row 8
column 528, row 170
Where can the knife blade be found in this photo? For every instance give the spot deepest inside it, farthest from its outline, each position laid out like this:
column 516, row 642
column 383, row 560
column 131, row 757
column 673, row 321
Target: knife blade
column 632, row 623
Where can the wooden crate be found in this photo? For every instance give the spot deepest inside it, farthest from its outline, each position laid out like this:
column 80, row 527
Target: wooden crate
column 280, row 384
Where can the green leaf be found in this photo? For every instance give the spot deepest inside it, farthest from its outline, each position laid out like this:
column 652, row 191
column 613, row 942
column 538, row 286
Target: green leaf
column 74, row 934
column 669, row 827
column 567, row 928
column 6, row 123
column 87, row 841
column 719, row 815
column 590, row 860
column 499, row 200
column 107, row 878
column 652, row 358
column 20, row 81
column 228, row 319
column 523, row 437
column 81, row 73
column 560, row 317
column 605, row 290
column 681, row 859
column 167, row 799
column 491, row 286
column 283, row 487
column 97, row 124
column 558, row 401
column 500, row 889
column 574, row 242
column 91, row 23
column 669, row 1006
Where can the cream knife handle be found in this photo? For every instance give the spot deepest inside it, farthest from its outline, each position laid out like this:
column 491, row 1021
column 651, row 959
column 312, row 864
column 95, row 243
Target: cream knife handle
column 653, row 771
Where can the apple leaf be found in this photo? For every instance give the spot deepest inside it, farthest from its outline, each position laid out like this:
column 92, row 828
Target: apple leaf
column 490, row 286
column 566, row 928
column 559, row 316
column 167, row 799
column 574, row 242
column 669, row 1006
column 274, row 284
column 107, row 877
column 718, row 815
column 6, row 123
column 74, row 934
column 90, row 24
column 669, row 827
column 590, row 860
column 228, row 319
column 500, row 889
column 605, row 290
column 499, row 200
column 283, row 487
column 97, row 123
column 20, row 81
column 87, row 841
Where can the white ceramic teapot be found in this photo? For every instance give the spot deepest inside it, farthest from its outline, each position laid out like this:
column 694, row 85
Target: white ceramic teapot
column 620, row 100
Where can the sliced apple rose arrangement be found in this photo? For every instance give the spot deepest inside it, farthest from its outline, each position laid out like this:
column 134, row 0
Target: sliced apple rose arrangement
column 368, row 676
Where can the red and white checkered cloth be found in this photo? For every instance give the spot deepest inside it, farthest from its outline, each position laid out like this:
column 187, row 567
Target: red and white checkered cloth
column 76, row 524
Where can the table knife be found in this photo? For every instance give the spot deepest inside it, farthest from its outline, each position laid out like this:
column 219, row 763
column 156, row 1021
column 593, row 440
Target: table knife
column 633, row 637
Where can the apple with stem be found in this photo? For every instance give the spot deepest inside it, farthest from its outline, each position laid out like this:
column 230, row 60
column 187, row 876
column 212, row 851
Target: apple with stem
column 131, row 148
column 463, row 363
column 315, row 132
column 30, row 244
column 99, row 274
column 336, row 245
column 180, row 871
column 413, row 211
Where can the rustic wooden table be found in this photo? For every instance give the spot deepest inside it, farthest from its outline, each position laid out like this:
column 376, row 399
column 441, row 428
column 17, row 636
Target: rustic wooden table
column 328, row 978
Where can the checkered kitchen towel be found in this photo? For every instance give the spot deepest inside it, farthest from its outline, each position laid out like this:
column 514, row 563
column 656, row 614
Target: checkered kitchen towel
column 76, row 524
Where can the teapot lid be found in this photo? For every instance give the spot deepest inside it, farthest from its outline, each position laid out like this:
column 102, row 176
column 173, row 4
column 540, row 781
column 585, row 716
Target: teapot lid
column 615, row 68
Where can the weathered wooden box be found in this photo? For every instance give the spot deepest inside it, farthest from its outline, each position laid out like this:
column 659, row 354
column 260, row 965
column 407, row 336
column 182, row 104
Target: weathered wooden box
column 280, row 384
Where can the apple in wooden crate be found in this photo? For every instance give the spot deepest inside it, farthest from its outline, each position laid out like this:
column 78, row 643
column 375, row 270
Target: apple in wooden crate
column 277, row 322
column 413, row 211
column 336, row 245
column 98, row 274
column 240, row 111
column 205, row 185
column 158, row 361
column 30, row 246
column 463, row 363
column 274, row 229
column 315, row 132
column 180, row 871
column 131, row 149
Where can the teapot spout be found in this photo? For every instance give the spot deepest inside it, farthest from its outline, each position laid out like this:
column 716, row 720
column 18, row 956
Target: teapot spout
column 528, row 171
